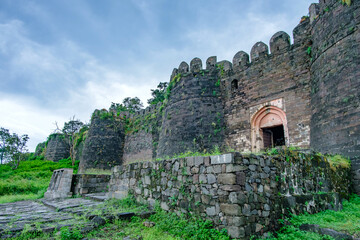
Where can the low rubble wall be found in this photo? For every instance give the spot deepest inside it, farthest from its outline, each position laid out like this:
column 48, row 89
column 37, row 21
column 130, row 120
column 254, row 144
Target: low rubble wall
column 246, row 194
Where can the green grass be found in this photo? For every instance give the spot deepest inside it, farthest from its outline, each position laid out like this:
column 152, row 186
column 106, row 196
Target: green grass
column 30, row 180
column 167, row 225
column 293, row 233
column 338, row 160
column 346, row 220
column 95, row 171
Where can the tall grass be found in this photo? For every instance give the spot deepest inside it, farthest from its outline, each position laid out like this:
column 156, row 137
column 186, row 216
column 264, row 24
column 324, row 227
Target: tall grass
column 30, row 180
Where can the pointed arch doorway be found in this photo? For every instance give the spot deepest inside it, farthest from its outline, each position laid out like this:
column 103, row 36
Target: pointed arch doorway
column 269, row 128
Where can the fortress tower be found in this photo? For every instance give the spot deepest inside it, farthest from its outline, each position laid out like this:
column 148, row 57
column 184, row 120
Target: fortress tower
column 335, row 80
column 193, row 117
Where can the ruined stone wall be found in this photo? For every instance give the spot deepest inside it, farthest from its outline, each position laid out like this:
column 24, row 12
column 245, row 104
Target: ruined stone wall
column 278, row 79
column 103, row 147
column 193, row 114
column 245, row 194
column 89, row 183
column 142, row 138
column 335, row 78
column 56, row 148
column 138, row 147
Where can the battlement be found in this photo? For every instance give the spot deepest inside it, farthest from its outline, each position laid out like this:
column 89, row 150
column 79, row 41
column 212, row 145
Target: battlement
column 279, row 44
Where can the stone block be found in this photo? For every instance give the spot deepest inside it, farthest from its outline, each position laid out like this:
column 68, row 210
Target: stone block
column 233, row 197
column 147, row 180
column 246, row 210
column 227, row 178
column 202, row 179
column 252, row 167
column 240, row 178
column 199, row 161
column 205, row 199
column 60, row 184
column 211, row 178
column 230, row 209
column 190, row 161
column 176, row 166
column 164, row 206
column 235, row 168
column 221, row 159
column 230, row 188
column 236, row 232
column 211, row 211
column 238, row 221
column 119, row 194
column 207, row 161
column 195, row 170
column 195, row 178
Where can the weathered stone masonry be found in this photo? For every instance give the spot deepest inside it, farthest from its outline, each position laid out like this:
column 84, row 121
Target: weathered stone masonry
column 301, row 94
column 245, row 194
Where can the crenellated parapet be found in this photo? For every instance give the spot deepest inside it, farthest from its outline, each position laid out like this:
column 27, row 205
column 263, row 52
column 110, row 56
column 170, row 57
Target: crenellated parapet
column 302, row 91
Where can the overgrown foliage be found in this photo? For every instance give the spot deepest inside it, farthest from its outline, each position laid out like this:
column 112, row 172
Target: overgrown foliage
column 158, row 94
column 129, row 104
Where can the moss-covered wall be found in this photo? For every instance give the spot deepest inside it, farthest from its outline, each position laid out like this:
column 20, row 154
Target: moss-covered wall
column 57, row 148
column 245, row 194
column 103, row 147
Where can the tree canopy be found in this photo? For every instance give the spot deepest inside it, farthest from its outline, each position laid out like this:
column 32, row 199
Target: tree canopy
column 128, row 104
column 158, row 94
column 12, row 147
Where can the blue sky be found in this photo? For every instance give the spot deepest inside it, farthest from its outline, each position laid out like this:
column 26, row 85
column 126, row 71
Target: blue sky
column 64, row 58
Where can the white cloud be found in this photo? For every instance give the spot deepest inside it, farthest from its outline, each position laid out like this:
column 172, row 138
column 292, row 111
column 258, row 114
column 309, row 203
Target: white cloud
column 61, row 81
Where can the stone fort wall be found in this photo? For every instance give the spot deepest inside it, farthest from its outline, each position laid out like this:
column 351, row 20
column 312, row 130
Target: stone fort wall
column 310, row 87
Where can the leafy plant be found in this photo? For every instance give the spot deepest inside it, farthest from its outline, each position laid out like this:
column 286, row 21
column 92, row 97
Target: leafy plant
column 158, row 95
column 347, row 2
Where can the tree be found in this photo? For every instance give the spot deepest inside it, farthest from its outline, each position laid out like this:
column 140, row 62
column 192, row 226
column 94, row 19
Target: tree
column 128, row 104
column 17, row 149
column 12, row 147
column 4, row 144
column 70, row 129
column 158, row 94
column 133, row 104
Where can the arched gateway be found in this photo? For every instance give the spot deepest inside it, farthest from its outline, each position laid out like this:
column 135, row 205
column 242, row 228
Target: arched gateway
column 269, row 128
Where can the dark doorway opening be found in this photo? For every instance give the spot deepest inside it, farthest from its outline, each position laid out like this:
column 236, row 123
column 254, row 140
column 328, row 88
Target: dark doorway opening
column 273, row 136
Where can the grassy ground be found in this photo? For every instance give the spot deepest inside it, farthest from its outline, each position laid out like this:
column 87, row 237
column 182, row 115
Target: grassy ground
column 169, row 226
column 30, row 180
column 347, row 221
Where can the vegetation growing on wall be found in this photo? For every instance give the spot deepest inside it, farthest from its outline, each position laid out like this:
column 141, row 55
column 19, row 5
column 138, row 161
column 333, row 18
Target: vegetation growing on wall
column 329, row 163
column 158, row 95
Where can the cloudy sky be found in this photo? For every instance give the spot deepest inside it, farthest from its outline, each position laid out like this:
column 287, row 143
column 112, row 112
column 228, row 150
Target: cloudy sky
column 64, row 58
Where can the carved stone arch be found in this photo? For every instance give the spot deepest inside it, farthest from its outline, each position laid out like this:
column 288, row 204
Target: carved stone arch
column 263, row 122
